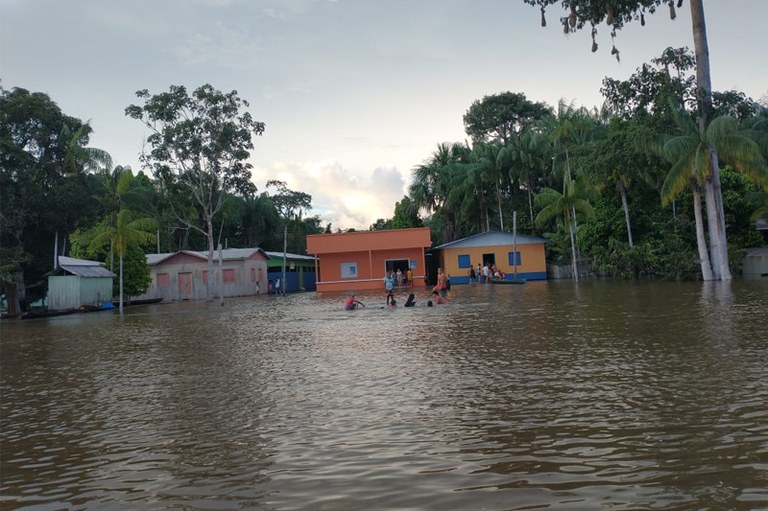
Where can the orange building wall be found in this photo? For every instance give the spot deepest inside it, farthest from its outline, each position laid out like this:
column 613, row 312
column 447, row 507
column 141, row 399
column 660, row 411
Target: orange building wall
column 370, row 251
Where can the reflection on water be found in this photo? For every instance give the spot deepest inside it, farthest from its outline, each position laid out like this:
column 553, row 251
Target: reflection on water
column 548, row 395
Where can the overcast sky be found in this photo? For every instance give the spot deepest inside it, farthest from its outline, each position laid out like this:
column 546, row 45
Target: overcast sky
column 354, row 93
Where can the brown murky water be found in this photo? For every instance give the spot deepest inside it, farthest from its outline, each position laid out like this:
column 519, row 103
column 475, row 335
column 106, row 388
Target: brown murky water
column 602, row 395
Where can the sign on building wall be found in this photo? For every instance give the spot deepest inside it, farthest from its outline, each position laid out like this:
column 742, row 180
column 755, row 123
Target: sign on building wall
column 348, row 270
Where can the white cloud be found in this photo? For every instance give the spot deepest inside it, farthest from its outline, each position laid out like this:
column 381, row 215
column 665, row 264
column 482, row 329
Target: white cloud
column 345, row 199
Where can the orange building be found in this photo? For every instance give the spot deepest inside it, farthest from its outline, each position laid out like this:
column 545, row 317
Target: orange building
column 352, row 261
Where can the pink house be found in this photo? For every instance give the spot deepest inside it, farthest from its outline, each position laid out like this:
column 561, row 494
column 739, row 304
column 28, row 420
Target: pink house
column 184, row 275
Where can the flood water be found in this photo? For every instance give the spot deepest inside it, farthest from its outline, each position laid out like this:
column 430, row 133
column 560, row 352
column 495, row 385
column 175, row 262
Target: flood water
column 550, row 395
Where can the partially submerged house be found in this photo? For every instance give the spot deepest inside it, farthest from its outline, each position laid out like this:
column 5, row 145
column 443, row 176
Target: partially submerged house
column 526, row 257
column 299, row 271
column 78, row 282
column 184, row 275
column 359, row 260
column 755, row 263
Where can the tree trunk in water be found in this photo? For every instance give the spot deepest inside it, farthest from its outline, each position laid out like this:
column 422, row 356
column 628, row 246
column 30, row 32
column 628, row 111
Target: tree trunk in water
column 701, row 242
column 714, row 236
column 724, row 269
column 221, row 273
column 209, row 222
column 14, row 292
column 626, row 213
column 285, row 254
column 718, row 242
column 573, row 250
column 121, row 284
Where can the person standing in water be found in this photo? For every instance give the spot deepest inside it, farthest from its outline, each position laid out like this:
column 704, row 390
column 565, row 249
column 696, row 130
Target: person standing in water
column 389, row 286
column 442, row 283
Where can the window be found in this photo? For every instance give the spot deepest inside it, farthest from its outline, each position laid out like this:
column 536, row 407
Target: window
column 163, row 280
column 464, row 261
column 253, row 274
column 205, row 277
column 348, row 270
column 514, row 258
column 228, row 276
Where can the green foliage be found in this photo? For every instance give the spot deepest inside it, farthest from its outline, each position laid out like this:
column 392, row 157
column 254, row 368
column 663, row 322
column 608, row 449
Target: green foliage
column 44, row 189
column 594, row 13
column 738, row 200
column 137, row 275
column 200, row 145
column 501, row 116
column 406, row 214
column 381, row 224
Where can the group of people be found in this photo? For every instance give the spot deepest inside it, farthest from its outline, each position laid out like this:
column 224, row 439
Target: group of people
column 353, row 303
column 485, row 273
column 398, row 278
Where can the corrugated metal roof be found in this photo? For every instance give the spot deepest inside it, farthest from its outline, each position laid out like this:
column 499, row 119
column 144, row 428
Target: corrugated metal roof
column 153, row 259
column 493, row 238
column 81, row 268
column 86, row 271
column 71, row 261
column 288, row 255
column 228, row 254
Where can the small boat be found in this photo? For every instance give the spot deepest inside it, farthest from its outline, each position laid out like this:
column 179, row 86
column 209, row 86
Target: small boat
column 512, row 280
column 146, row 301
column 45, row 313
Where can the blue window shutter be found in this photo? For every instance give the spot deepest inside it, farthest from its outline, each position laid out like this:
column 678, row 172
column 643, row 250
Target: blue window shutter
column 514, row 258
column 464, row 261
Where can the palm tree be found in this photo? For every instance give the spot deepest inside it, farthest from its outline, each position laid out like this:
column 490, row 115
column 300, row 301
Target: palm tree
column 492, row 161
column 120, row 193
column 77, row 157
column 529, row 153
column 567, row 204
column 434, row 183
column 694, row 155
column 128, row 230
column 569, row 128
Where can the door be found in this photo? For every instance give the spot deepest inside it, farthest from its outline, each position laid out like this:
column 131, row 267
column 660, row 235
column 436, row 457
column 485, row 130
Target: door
column 185, row 285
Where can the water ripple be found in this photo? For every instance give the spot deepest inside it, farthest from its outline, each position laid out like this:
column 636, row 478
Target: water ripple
column 548, row 395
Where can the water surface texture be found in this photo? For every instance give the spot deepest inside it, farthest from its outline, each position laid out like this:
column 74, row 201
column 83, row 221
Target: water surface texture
column 551, row 395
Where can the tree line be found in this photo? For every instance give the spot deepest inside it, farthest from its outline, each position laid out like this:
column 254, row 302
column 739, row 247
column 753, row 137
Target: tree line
column 621, row 185
column 635, row 186
column 58, row 195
